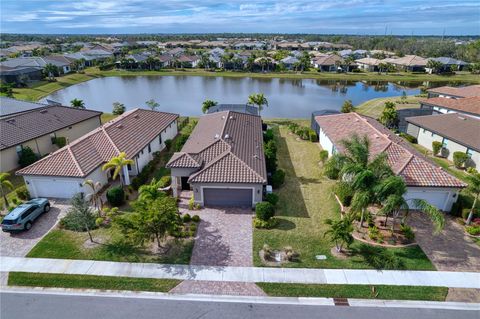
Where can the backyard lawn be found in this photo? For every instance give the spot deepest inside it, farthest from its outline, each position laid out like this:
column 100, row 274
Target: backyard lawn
column 306, row 200
column 374, row 107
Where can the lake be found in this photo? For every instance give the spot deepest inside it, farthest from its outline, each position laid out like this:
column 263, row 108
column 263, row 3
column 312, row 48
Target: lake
column 288, row 98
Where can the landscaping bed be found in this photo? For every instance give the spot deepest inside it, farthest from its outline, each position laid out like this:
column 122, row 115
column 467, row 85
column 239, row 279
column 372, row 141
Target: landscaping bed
column 90, row 282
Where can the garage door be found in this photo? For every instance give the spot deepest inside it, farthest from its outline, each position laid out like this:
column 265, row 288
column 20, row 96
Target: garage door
column 55, row 189
column 237, row 197
column 437, row 199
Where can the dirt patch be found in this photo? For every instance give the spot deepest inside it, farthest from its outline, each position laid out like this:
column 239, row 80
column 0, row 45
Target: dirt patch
column 97, row 241
column 344, row 254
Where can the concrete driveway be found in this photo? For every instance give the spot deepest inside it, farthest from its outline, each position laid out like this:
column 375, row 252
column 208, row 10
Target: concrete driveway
column 19, row 244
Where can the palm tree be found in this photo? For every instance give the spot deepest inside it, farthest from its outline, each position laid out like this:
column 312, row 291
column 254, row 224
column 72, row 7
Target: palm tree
column 474, row 188
column 5, row 183
column 117, row 163
column 152, row 104
column 94, row 197
column 77, row 104
column 50, row 70
column 258, row 99
column 435, row 66
column 151, row 61
column 208, row 104
column 340, row 232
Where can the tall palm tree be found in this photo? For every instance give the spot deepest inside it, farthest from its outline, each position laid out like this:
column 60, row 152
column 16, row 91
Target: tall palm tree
column 50, row 70
column 94, row 196
column 259, row 100
column 116, row 164
column 77, row 104
column 5, row 184
column 474, row 188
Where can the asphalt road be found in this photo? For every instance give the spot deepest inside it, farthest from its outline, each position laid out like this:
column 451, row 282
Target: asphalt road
column 50, row 306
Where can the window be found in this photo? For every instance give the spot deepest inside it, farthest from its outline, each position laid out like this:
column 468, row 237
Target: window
column 444, row 142
column 141, row 152
column 149, row 148
column 469, row 152
column 52, row 137
column 19, row 148
column 160, row 138
column 69, row 127
column 424, row 131
column 433, row 134
column 129, row 166
column 27, row 212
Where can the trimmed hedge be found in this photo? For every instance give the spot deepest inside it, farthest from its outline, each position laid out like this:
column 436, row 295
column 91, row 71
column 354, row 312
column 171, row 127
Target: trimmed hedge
column 460, row 159
column 272, row 198
column 278, row 178
column 264, row 211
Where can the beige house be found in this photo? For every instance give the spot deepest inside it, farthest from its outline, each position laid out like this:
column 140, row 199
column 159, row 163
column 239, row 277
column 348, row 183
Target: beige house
column 222, row 161
column 39, row 129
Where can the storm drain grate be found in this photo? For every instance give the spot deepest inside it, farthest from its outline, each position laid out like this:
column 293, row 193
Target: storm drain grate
column 341, row 302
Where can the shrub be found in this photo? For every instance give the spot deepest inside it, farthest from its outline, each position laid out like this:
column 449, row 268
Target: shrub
column 168, row 144
column 195, row 218
column 347, row 107
column 278, row 178
column 193, row 228
column 60, row 141
column 272, row 198
column 191, row 203
column 22, row 192
column 99, row 221
column 459, row 159
column 323, row 156
column 16, row 201
column 410, row 138
column 180, row 141
column 293, row 127
column 374, row 233
column 118, row 108
column 26, row 157
column 186, row 218
column 79, row 217
column 268, row 135
column 466, row 212
column 407, row 232
column 344, row 193
column 165, row 181
column 116, row 196
column 473, row 230
column 436, row 147
column 332, row 167
column 264, row 211
column 264, row 224
column 380, row 258
column 312, row 136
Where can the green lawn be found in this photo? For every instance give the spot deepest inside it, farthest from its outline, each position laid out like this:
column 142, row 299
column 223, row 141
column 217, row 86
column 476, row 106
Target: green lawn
column 65, row 244
column 374, row 107
column 90, row 282
column 105, row 117
column 355, row 291
column 306, row 200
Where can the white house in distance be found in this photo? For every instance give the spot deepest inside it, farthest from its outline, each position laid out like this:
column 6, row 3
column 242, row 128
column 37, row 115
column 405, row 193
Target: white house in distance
column 424, row 179
column 139, row 133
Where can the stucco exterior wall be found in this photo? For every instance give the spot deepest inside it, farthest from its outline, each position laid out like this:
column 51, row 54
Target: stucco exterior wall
column 325, row 142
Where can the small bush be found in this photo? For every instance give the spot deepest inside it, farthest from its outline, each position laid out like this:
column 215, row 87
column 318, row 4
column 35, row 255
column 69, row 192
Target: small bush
column 60, row 141
column 278, row 178
column 473, row 230
column 180, row 141
column 312, row 136
column 26, row 157
column 16, row 201
column 272, row 198
column 168, row 144
column 264, row 211
column 374, row 233
column 186, row 218
column 407, row 232
column 193, row 228
column 460, row 159
column 410, row 138
column 195, row 218
column 116, row 196
column 332, row 167
column 268, row 135
column 293, row 127
column 191, row 203
column 436, row 147
column 323, row 156
column 22, row 192
column 165, row 181
column 99, row 221
column 466, row 212
column 344, row 193
column 264, row 224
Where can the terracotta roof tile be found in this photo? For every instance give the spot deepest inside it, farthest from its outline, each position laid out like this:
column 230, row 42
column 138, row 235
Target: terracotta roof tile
column 467, row 105
column 465, row 91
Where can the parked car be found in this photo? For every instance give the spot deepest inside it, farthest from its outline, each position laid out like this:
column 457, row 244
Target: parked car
column 23, row 216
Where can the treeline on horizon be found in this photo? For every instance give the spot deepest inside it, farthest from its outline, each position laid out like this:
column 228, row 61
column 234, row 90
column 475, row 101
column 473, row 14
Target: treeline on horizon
column 426, row 46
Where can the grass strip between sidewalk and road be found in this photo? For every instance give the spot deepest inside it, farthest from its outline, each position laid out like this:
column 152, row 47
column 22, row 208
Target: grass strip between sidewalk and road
column 385, row 292
column 90, row 282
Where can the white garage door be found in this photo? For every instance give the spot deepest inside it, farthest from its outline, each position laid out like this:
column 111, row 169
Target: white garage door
column 436, row 198
column 53, row 188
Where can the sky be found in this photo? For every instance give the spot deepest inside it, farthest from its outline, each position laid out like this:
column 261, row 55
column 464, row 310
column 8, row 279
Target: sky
column 374, row 17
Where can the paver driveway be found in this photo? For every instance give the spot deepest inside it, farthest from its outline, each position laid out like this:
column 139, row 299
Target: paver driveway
column 19, row 244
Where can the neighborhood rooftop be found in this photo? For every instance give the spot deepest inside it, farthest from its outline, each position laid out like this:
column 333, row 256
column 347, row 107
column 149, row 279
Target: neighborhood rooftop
column 403, row 159
column 9, row 106
column 128, row 133
column 21, row 127
column 229, row 148
column 467, row 91
column 468, row 105
column 460, row 128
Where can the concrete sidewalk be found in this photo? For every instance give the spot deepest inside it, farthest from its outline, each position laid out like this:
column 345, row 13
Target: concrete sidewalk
column 243, row 274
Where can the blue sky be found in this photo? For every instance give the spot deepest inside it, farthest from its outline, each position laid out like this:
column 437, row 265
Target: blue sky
column 170, row 16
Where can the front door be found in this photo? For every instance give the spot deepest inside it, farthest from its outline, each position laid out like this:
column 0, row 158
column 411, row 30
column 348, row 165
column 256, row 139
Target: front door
column 185, row 184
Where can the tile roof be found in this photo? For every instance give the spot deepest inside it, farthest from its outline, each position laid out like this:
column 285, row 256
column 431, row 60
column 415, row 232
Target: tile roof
column 129, row 133
column 328, row 60
column 369, row 61
column 21, row 127
column 462, row 129
column 465, row 91
column 403, row 158
column 9, row 106
column 468, row 104
column 229, row 147
column 411, row 60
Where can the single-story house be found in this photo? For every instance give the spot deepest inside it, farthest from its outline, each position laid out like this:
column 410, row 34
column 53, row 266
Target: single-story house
column 188, row 61
column 368, row 64
column 455, row 92
column 240, row 108
column 176, row 52
column 222, row 161
column 413, row 63
column 61, row 62
column 38, row 129
column 20, row 75
column 456, row 132
column 165, row 60
column 313, row 122
column 139, row 133
column 424, row 179
column 328, row 63
column 410, row 112
column 442, row 105
column 10, row 106
column 448, row 63
column 289, row 62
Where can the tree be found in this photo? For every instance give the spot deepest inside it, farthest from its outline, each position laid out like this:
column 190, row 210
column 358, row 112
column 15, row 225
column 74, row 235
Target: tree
column 118, row 108
column 94, row 197
column 50, row 70
column 207, row 104
column 340, row 232
column 5, row 184
column 77, row 104
column 152, row 220
column 117, row 163
column 258, row 99
column 6, row 89
column 152, row 104
column 151, row 62
column 150, row 192
column 435, row 66
column 26, row 156
column 474, row 188
column 81, row 214
column 347, row 107
column 389, row 116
